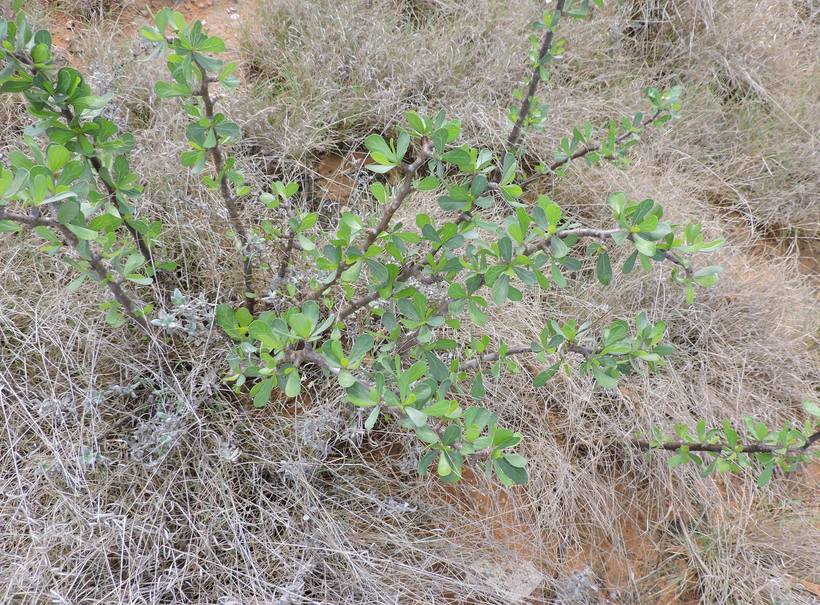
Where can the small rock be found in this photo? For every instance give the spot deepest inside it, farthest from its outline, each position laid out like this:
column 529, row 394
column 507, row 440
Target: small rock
column 69, row 24
column 200, row 5
column 514, row 579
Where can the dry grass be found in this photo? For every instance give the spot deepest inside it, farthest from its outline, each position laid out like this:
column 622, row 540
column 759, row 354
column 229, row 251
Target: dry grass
column 128, row 480
column 90, row 10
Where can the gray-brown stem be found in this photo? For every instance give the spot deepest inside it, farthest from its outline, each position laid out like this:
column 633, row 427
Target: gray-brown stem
column 128, row 305
column 227, row 196
column 535, row 80
column 384, row 223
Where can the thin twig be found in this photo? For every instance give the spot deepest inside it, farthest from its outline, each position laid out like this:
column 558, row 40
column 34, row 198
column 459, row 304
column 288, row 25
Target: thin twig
column 603, row 234
column 111, row 191
column 406, row 272
column 490, row 357
column 96, row 164
column 535, row 80
column 224, row 188
column 587, row 149
column 308, row 354
column 415, row 268
column 471, row 364
column 286, row 254
column 717, row 448
column 399, row 198
column 97, row 264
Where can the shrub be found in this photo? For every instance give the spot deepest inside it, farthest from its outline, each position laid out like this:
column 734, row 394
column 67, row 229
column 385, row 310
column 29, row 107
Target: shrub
column 386, row 304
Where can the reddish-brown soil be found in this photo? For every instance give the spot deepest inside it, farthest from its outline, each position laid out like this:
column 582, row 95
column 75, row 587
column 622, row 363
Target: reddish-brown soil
column 220, row 17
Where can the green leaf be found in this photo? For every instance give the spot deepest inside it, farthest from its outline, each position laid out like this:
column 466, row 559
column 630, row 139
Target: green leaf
column 346, row 379
column 428, row 183
column 707, row 276
column 644, row 246
column 16, row 85
column 82, row 233
column 461, row 158
column 139, row 279
column 426, row 461
column 417, row 417
column 381, row 152
column 301, row 324
column 546, row 375
column 812, row 408
column 557, row 276
column 416, row 122
column 379, row 191
column 517, row 460
column 559, row 248
column 426, row 434
column 766, row 475
column 450, row 205
column 618, row 202
column 451, row 434
column 444, row 469
column 604, row 379
column 604, row 269
column 168, row 90
column 360, row 347
column 501, row 289
column 477, row 389
column 438, row 409
column 6, row 179
column 360, row 396
column 225, row 317
column 293, row 385
column 91, row 102
column 60, row 196
column 516, row 475
column 505, row 249
column 371, row 418
column 259, row 330
column 48, row 235
column 228, row 131
column 151, row 34
column 132, row 263
column 75, row 283
column 58, row 157
column 211, row 45
column 629, row 263
column 678, row 459
column 261, row 392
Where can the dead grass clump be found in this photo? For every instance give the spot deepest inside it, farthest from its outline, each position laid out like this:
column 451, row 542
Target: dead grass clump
column 331, row 72
column 751, row 130
column 89, row 10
